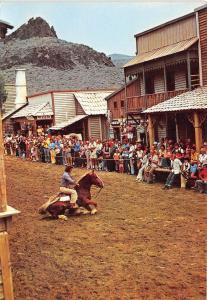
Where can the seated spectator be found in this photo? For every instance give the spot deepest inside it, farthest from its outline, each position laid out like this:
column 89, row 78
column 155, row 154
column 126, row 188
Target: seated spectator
column 139, row 156
column 202, row 156
column 153, row 164
column 144, row 163
column 201, row 183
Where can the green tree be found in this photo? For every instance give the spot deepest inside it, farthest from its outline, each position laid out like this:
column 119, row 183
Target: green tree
column 3, row 93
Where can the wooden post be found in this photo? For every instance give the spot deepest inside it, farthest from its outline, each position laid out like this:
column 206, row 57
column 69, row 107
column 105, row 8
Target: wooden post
column 198, row 131
column 3, row 201
column 151, row 130
column 176, row 129
column 165, row 77
column 189, row 71
column 144, row 89
column 6, row 213
column 125, row 95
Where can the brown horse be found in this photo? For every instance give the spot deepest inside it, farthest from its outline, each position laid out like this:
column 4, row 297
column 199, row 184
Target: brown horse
column 83, row 188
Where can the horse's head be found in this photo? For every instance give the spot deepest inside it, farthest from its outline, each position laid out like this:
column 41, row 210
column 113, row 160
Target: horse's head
column 96, row 180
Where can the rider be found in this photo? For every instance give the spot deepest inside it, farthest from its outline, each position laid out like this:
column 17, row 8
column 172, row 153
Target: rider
column 68, row 183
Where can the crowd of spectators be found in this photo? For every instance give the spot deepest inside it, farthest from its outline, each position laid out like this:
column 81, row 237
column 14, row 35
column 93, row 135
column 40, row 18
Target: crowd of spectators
column 129, row 157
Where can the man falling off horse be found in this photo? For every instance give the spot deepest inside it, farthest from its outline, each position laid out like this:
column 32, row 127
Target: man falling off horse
column 67, row 185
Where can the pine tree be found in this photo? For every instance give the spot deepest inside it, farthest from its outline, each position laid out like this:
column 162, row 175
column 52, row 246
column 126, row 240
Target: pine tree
column 3, row 93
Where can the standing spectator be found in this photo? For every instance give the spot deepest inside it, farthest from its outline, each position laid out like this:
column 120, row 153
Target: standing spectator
column 106, row 156
column 175, row 172
column 52, row 151
column 88, row 155
column 116, row 158
column 131, row 158
column 125, row 156
column 93, row 156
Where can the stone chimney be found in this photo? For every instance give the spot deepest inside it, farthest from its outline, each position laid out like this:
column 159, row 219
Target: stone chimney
column 21, row 88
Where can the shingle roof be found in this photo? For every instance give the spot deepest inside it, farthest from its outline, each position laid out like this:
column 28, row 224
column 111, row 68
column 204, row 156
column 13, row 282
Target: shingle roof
column 6, row 23
column 34, row 110
column 93, row 103
column 196, row 99
column 68, row 122
column 162, row 52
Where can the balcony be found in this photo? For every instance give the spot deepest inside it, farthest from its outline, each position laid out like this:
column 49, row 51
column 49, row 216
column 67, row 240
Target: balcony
column 139, row 103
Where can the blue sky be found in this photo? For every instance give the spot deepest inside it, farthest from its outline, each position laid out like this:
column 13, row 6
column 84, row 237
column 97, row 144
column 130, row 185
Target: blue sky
column 107, row 27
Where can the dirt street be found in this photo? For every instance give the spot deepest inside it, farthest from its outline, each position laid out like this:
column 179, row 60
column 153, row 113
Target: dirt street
column 144, row 243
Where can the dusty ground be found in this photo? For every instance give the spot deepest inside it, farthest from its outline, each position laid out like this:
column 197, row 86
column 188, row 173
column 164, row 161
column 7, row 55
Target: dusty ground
column 145, row 243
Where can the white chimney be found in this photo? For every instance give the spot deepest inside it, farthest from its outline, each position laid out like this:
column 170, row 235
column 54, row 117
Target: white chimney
column 21, row 88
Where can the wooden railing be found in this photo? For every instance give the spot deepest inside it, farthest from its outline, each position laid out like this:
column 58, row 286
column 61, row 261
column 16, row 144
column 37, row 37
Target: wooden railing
column 142, row 102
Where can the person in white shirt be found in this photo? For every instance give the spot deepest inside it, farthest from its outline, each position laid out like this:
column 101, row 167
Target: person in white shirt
column 93, row 155
column 131, row 158
column 176, row 165
column 144, row 163
column 202, row 156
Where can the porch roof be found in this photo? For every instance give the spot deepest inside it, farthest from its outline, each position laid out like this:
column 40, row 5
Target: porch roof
column 196, row 100
column 34, row 110
column 68, row 122
column 162, row 52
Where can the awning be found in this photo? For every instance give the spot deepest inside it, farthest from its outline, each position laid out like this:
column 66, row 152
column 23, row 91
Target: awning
column 34, row 110
column 162, row 52
column 192, row 100
column 68, row 122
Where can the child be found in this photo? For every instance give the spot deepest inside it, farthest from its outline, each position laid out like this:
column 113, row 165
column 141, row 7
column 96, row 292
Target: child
column 116, row 158
column 121, row 165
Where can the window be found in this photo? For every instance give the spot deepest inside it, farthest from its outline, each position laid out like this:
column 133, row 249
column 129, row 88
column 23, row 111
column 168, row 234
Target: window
column 170, row 78
column 122, row 103
column 149, row 85
column 115, row 104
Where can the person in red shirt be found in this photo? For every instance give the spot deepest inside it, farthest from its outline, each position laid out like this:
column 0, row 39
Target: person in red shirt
column 201, row 183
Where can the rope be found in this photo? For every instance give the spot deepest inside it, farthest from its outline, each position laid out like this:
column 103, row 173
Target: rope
column 97, row 193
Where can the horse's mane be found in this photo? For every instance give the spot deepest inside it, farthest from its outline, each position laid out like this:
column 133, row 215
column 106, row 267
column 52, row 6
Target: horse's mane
column 83, row 176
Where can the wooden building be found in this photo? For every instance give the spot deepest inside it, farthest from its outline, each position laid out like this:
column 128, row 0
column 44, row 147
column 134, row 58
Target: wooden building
column 68, row 111
column 171, row 59
column 4, row 26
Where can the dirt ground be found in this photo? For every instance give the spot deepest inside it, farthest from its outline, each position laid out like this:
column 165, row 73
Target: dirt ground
column 144, row 243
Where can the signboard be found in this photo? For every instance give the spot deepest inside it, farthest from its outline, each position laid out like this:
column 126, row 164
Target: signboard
column 44, row 117
column 115, row 123
column 111, row 133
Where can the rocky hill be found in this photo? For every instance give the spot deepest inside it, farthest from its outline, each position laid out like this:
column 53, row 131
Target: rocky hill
column 52, row 63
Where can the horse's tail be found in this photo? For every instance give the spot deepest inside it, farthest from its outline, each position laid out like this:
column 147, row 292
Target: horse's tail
column 43, row 209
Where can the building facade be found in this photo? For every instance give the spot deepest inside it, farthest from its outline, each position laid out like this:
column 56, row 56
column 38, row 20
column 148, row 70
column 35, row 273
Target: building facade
column 170, row 60
column 64, row 112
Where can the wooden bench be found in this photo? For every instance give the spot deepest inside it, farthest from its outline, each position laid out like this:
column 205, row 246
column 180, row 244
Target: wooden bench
column 165, row 172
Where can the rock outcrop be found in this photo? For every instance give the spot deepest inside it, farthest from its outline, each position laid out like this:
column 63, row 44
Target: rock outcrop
column 52, row 63
column 37, row 27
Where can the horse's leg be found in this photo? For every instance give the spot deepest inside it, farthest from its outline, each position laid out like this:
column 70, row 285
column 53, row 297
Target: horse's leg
column 91, row 206
column 57, row 209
